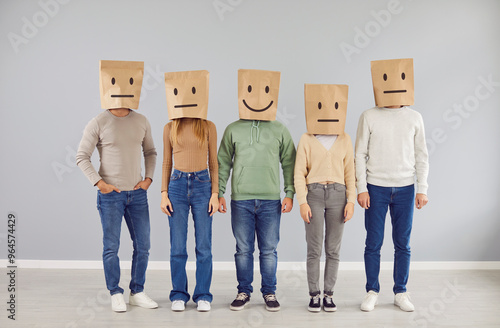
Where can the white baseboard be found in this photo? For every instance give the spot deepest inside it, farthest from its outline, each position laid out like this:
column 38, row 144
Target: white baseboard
column 221, row 265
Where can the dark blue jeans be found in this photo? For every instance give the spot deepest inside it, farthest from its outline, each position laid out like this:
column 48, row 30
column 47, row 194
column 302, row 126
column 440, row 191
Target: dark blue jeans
column 113, row 206
column 261, row 218
column 400, row 201
column 190, row 190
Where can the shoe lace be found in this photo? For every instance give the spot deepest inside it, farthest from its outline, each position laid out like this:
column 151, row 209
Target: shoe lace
column 146, row 297
column 369, row 295
column 118, row 301
column 328, row 299
column 315, row 299
column 406, row 296
column 270, row 297
column 241, row 296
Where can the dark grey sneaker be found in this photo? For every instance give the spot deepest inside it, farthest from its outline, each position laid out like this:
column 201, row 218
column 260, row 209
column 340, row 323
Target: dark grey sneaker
column 328, row 304
column 272, row 303
column 240, row 301
column 315, row 303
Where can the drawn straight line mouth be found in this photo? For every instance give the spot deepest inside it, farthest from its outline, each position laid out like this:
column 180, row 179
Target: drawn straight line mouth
column 122, row 96
column 394, row 91
column 257, row 110
column 189, row 105
column 328, row 120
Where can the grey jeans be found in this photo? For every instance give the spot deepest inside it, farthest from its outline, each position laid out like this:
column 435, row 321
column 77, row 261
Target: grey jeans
column 327, row 204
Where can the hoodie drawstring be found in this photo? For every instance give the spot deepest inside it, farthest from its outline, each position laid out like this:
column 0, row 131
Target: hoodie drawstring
column 251, row 131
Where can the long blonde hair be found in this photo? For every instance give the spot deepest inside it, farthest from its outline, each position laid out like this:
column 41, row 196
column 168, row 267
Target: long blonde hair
column 199, row 130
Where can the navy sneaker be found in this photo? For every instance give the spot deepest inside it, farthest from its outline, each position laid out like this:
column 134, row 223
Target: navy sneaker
column 272, row 303
column 240, row 301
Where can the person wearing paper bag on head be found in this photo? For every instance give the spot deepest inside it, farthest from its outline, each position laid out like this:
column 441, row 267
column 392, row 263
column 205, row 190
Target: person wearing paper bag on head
column 390, row 152
column 193, row 184
column 120, row 135
column 325, row 185
column 254, row 147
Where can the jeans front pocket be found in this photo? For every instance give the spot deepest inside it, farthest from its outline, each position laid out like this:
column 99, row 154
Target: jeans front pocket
column 202, row 178
column 175, row 176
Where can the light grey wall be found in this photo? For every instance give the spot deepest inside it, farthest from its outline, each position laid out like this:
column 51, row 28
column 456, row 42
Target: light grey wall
column 49, row 91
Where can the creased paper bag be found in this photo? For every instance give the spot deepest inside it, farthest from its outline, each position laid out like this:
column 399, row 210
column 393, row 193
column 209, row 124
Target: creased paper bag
column 326, row 108
column 120, row 83
column 187, row 94
column 258, row 94
column 393, row 82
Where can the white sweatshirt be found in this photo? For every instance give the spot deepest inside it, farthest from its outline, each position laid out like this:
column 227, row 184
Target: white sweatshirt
column 391, row 149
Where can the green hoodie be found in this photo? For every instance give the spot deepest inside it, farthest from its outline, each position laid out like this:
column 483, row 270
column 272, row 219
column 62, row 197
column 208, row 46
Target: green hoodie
column 254, row 150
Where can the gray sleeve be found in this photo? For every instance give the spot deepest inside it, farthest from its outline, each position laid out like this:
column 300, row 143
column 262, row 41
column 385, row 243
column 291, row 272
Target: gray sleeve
column 149, row 151
column 421, row 158
column 86, row 148
column 361, row 156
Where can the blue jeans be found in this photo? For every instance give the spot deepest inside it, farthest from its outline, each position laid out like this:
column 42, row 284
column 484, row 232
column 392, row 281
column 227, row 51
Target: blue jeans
column 248, row 218
column 400, row 201
column 190, row 190
column 113, row 206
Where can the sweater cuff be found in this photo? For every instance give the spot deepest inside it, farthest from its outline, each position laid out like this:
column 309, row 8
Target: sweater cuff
column 221, row 194
column 421, row 189
column 362, row 188
column 289, row 194
column 95, row 179
column 302, row 199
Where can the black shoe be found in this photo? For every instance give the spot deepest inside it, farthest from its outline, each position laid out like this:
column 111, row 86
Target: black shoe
column 315, row 303
column 328, row 304
column 240, row 301
column 272, row 303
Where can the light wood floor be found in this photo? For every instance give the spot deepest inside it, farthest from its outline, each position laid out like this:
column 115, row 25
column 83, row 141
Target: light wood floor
column 78, row 298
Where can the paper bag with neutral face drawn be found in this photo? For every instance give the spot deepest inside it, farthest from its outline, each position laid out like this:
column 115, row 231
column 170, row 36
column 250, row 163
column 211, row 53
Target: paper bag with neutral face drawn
column 258, row 94
column 393, row 82
column 120, row 83
column 187, row 94
column 326, row 108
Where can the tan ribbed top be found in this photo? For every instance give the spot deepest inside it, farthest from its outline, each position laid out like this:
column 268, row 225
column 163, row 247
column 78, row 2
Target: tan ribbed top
column 188, row 155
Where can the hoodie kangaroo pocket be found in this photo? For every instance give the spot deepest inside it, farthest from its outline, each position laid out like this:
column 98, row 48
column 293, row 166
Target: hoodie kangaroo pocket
column 257, row 180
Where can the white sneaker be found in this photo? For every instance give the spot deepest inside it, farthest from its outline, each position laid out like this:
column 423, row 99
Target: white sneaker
column 118, row 303
column 369, row 302
column 178, row 306
column 203, row 306
column 142, row 300
column 403, row 301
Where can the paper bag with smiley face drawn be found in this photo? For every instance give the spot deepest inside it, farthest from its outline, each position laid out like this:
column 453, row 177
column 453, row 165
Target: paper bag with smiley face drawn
column 120, row 83
column 187, row 94
column 326, row 108
column 258, row 94
column 393, row 82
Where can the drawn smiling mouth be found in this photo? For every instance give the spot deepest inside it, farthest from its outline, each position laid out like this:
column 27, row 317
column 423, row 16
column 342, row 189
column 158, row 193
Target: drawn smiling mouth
column 257, row 110
column 122, row 96
column 327, row 120
column 394, row 91
column 188, row 105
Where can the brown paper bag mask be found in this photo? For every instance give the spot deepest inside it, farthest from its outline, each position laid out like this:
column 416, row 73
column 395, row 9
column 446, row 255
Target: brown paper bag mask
column 120, row 83
column 187, row 94
column 393, row 82
column 326, row 108
column 258, row 94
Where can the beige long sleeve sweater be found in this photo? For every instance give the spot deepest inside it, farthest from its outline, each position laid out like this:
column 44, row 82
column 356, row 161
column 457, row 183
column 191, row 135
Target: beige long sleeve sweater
column 120, row 142
column 314, row 164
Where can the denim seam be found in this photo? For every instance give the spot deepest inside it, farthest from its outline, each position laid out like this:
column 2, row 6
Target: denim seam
column 134, row 241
